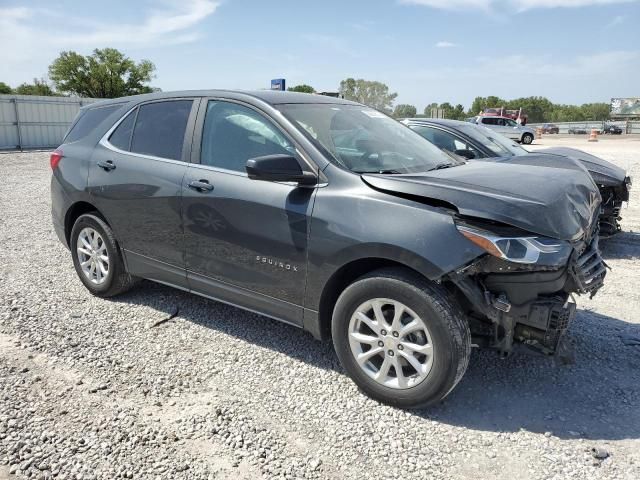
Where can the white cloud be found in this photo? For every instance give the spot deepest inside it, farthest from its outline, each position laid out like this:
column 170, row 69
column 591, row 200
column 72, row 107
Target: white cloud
column 518, row 5
column 531, row 4
column 445, row 45
column 26, row 54
column 452, row 4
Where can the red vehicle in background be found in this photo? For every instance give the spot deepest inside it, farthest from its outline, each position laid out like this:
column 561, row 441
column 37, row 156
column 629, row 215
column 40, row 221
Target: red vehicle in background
column 517, row 115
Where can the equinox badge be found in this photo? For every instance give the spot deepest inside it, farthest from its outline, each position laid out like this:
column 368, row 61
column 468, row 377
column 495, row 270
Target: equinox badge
column 276, row 263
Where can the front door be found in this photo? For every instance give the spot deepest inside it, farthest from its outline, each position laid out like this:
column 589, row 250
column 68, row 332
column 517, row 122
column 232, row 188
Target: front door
column 246, row 240
column 136, row 181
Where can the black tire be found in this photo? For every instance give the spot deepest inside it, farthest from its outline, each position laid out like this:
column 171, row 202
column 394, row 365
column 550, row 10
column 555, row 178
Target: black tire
column 117, row 279
column 445, row 320
column 527, row 139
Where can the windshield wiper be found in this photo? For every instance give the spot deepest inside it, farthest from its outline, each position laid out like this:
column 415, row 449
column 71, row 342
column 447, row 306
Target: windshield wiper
column 383, row 172
column 440, row 166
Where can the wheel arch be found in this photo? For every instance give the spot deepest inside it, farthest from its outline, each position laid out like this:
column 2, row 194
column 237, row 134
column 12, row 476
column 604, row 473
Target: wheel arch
column 345, row 276
column 74, row 211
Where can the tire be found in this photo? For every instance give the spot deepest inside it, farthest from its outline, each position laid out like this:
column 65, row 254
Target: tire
column 527, row 139
column 116, row 280
column 447, row 331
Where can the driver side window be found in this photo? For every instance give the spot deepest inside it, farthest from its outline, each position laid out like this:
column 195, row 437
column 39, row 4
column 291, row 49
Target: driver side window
column 233, row 134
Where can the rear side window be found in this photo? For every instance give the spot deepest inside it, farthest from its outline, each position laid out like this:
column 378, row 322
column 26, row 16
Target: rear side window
column 489, row 121
column 160, row 128
column 121, row 136
column 89, row 120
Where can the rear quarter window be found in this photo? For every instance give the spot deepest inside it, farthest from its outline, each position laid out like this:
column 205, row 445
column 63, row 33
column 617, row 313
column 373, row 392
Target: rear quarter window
column 88, row 121
column 160, row 128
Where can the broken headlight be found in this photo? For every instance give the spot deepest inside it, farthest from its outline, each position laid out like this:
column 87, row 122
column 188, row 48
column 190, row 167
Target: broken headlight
column 519, row 249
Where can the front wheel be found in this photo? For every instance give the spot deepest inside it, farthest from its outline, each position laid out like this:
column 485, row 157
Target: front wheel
column 527, row 139
column 403, row 341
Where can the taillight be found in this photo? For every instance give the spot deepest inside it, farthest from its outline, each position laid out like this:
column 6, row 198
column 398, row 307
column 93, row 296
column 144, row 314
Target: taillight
column 55, row 158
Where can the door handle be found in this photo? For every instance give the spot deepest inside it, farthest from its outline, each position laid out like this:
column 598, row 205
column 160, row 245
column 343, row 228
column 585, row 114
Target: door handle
column 107, row 166
column 201, row 186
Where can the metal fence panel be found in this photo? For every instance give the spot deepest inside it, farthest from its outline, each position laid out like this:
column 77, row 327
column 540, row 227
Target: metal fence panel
column 29, row 121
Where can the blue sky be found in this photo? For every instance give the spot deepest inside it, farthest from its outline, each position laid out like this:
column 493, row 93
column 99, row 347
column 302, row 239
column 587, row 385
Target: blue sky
column 572, row 51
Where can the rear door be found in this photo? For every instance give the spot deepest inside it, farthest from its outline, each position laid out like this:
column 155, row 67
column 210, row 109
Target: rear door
column 136, row 179
column 246, row 240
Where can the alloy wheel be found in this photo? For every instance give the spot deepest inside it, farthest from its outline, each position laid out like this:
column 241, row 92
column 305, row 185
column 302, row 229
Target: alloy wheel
column 93, row 256
column 390, row 343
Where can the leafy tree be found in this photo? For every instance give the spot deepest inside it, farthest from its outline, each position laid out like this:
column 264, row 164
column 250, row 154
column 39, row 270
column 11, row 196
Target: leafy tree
column 302, row 89
column 453, row 113
column 374, row 94
column 38, row 87
column 5, row 89
column 428, row 108
column 106, row 73
column 404, row 111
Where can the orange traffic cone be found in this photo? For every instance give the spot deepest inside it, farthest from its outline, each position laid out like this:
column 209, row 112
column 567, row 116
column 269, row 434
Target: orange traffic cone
column 539, row 132
column 594, row 135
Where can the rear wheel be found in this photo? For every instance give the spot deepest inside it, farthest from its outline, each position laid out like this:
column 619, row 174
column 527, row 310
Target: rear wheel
column 403, row 340
column 97, row 257
column 527, row 139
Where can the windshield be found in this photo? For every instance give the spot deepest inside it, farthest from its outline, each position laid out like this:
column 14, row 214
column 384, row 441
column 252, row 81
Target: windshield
column 364, row 140
column 498, row 144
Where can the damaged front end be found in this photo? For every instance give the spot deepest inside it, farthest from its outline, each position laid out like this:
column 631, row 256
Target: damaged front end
column 613, row 196
column 520, row 293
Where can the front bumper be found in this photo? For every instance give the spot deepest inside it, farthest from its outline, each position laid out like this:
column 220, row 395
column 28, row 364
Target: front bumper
column 532, row 308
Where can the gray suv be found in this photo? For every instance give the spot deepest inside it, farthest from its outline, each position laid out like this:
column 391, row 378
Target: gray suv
column 332, row 217
column 508, row 127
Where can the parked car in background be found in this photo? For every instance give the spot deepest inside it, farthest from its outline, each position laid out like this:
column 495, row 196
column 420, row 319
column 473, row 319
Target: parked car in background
column 550, row 128
column 613, row 130
column 476, row 142
column 333, row 217
column 578, row 130
column 509, row 128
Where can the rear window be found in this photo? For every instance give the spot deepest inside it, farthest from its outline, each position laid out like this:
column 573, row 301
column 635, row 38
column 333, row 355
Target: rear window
column 160, row 128
column 89, row 119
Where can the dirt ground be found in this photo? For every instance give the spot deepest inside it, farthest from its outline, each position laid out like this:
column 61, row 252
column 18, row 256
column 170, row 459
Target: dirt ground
column 90, row 389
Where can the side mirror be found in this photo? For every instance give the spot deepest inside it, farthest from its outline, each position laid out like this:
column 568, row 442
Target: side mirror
column 279, row 168
column 465, row 153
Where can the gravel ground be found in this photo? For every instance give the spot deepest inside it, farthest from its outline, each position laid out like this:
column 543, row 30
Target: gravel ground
column 89, row 388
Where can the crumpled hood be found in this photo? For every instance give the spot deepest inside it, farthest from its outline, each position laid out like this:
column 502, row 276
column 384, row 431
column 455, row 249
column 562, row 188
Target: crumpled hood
column 554, row 202
column 602, row 171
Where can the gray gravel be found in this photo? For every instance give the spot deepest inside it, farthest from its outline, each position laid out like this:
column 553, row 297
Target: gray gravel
column 89, row 388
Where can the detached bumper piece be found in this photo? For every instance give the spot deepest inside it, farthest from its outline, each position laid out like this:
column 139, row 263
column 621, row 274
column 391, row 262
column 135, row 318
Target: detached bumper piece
column 588, row 270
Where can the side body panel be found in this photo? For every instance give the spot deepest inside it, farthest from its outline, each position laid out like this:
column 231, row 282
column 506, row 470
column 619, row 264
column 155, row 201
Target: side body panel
column 352, row 221
column 246, row 241
column 141, row 199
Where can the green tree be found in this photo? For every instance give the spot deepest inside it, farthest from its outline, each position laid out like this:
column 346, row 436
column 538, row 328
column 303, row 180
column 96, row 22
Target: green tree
column 374, row 94
column 106, row 73
column 38, row 87
column 404, row 111
column 5, row 89
column 596, row 111
column 302, row 89
column 429, row 108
